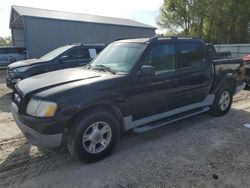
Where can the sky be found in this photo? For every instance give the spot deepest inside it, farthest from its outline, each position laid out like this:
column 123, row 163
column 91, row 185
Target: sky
column 144, row 11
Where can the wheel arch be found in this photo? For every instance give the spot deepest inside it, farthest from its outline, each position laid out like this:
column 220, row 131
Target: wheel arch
column 110, row 107
column 227, row 81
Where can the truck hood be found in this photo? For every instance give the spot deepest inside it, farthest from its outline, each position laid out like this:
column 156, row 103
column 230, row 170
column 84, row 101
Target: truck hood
column 56, row 78
column 25, row 63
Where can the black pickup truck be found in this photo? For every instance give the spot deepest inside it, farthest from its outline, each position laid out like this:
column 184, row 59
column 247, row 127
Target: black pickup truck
column 68, row 56
column 136, row 84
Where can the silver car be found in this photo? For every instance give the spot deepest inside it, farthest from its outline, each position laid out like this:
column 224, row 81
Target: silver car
column 11, row 54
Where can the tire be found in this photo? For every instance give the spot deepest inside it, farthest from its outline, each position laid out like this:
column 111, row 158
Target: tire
column 97, row 144
column 217, row 108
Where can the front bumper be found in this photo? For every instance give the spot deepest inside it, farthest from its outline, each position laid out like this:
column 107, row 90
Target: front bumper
column 34, row 137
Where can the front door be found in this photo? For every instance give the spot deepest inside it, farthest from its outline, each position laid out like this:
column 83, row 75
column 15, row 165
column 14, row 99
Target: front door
column 155, row 94
column 76, row 57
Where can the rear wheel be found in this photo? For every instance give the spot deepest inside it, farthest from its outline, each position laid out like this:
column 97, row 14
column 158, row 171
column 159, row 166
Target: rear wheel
column 94, row 136
column 222, row 102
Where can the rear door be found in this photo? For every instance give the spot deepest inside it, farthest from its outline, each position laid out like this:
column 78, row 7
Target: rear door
column 194, row 72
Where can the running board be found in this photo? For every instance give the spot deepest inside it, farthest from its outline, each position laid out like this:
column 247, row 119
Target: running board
column 163, row 122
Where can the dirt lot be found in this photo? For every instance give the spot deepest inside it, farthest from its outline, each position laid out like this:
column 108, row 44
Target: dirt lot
column 202, row 151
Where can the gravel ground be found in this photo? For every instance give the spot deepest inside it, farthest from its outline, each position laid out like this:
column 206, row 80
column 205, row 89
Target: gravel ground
column 202, row 151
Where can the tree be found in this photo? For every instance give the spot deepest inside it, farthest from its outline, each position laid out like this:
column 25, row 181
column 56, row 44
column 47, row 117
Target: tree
column 218, row 21
column 176, row 15
column 5, row 41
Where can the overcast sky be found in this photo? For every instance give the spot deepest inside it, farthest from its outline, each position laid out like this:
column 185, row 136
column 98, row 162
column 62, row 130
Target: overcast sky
column 144, row 11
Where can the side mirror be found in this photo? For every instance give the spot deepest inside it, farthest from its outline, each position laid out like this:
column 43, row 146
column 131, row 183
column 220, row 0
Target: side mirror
column 147, row 70
column 63, row 58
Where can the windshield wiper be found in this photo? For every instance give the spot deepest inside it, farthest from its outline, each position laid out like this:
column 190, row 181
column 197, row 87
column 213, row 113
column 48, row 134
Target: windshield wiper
column 104, row 68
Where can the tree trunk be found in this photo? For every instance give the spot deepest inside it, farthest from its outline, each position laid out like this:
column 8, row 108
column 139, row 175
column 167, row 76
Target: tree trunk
column 210, row 30
column 201, row 26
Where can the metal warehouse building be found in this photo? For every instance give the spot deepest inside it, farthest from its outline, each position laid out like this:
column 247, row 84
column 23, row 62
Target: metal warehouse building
column 40, row 30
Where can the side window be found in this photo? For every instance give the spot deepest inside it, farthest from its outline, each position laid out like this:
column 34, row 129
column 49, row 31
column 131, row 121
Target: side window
column 12, row 51
column 162, row 58
column 72, row 54
column 78, row 53
column 23, row 51
column 192, row 56
column 9, row 51
column 5, row 51
column 84, row 53
column 2, row 51
column 92, row 53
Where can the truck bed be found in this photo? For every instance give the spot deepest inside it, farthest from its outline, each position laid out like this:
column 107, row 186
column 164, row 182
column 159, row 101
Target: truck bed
column 228, row 68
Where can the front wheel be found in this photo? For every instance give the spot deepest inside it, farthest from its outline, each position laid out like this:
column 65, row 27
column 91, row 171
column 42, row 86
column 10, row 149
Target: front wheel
column 93, row 137
column 222, row 102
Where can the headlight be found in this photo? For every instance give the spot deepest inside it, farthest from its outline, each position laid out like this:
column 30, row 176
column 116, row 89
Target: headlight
column 21, row 69
column 39, row 108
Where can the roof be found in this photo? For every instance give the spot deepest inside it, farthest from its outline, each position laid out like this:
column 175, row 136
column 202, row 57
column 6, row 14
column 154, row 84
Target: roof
column 159, row 38
column 136, row 40
column 54, row 14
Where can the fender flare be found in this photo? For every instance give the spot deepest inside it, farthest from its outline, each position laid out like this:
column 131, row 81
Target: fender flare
column 228, row 80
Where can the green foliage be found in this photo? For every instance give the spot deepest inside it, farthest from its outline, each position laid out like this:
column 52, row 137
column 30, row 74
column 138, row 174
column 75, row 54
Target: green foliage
column 217, row 21
column 5, row 41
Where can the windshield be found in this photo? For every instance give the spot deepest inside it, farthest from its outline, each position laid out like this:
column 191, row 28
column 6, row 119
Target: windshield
column 53, row 54
column 119, row 57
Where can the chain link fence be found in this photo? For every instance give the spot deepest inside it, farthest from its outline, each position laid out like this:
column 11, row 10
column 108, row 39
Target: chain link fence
column 237, row 50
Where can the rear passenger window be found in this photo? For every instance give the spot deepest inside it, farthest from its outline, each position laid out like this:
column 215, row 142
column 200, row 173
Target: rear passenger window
column 162, row 58
column 84, row 53
column 2, row 51
column 192, row 56
column 10, row 50
column 92, row 53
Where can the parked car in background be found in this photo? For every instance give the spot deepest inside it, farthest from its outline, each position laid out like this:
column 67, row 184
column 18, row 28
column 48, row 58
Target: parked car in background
column 68, row 56
column 10, row 54
column 217, row 55
column 137, row 84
